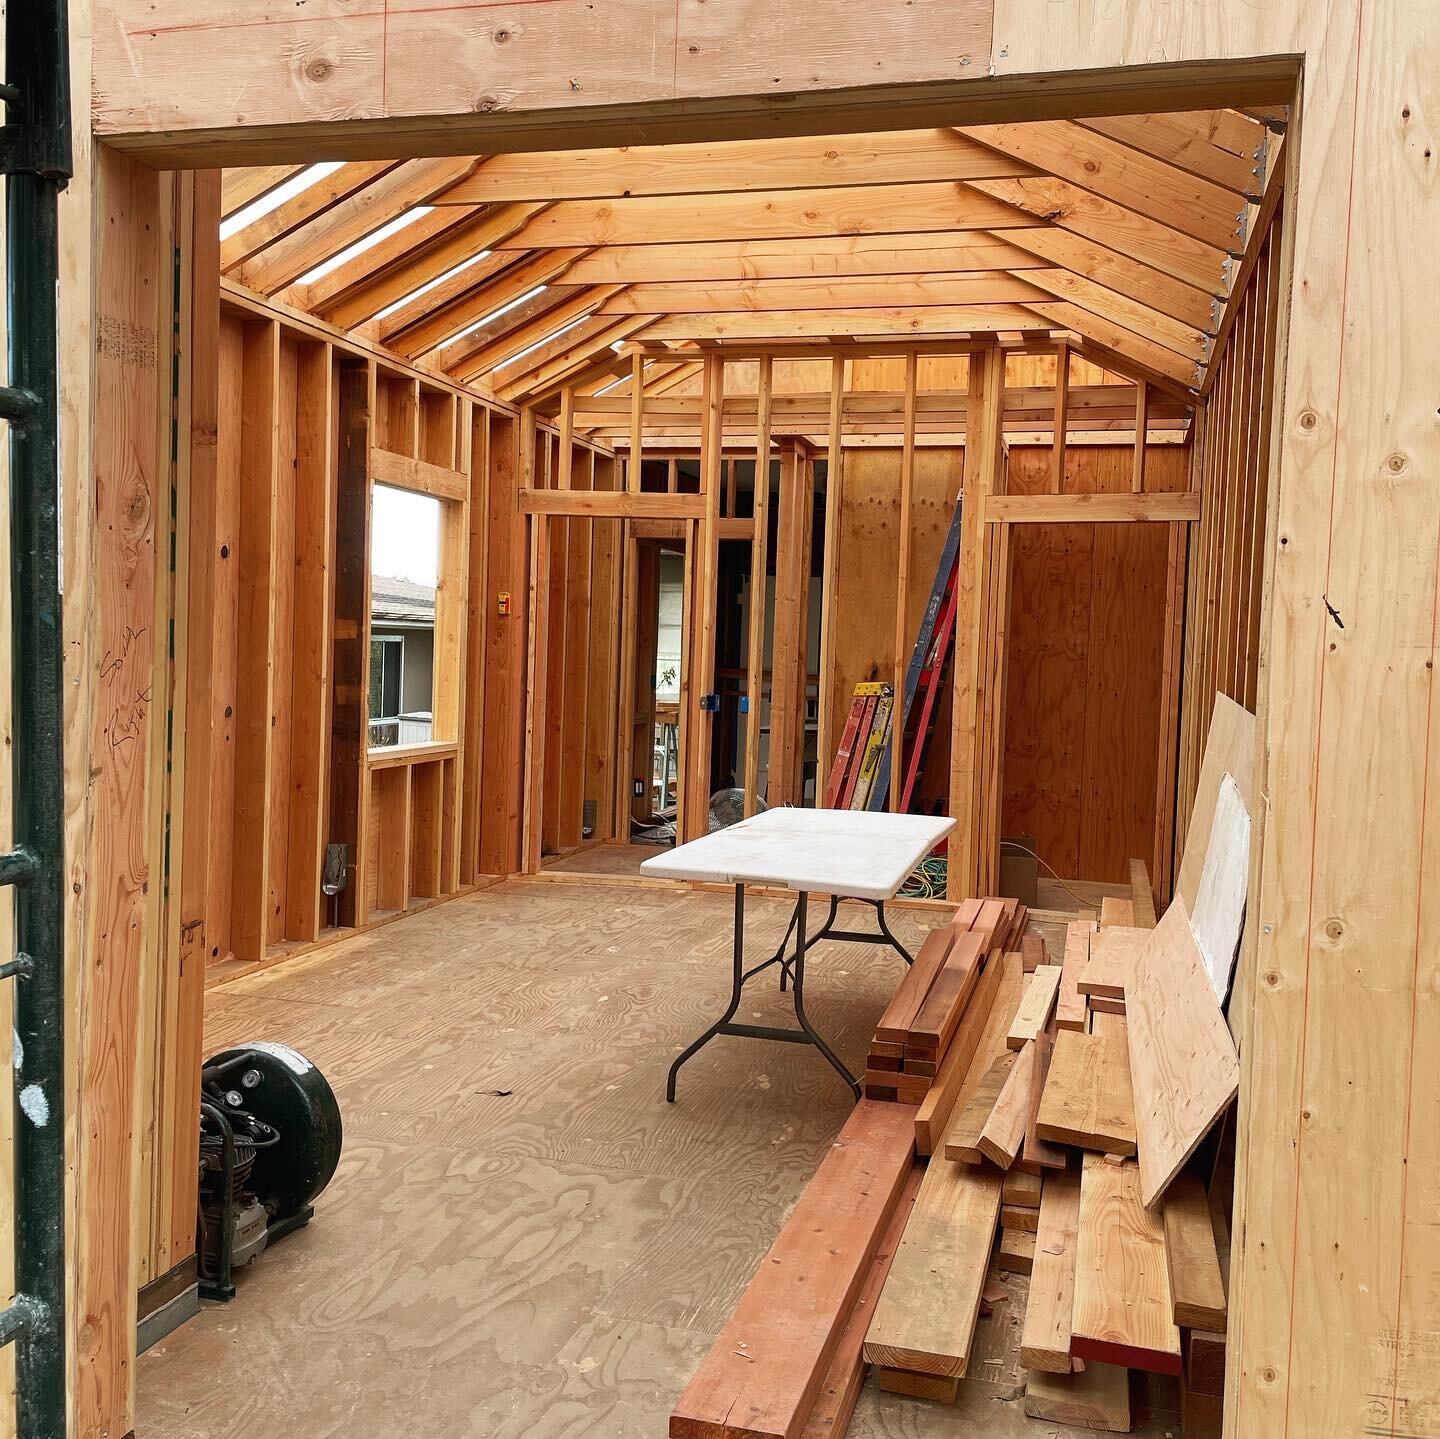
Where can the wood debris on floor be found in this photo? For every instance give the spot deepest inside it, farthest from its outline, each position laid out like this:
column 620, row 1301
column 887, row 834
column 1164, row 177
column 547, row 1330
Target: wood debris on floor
column 1063, row 1130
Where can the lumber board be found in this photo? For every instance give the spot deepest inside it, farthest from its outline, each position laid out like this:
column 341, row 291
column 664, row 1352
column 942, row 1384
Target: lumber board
column 1041, row 1154
column 962, row 1139
column 1196, row 1285
column 1032, row 952
column 1004, row 1130
column 1115, row 911
column 838, row 1395
column 995, row 996
column 1122, row 1281
column 1205, row 1362
column 1070, row 1003
column 1045, row 1338
column 1142, row 896
column 762, row 1375
column 1019, row 1216
column 1016, row 1251
column 1036, row 1002
column 1087, row 1100
column 934, row 1387
column 925, row 1319
column 941, row 1011
column 1182, row 1055
column 1022, row 1189
column 1097, row 1398
column 1111, row 966
column 899, row 1016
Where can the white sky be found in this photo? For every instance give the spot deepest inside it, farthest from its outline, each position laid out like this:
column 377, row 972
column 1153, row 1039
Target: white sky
column 405, row 536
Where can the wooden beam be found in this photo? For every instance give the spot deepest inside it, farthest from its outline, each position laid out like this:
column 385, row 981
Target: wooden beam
column 1045, row 1339
column 1142, row 413
column 1197, row 1286
column 773, row 214
column 1093, row 162
column 801, row 163
column 1087, row 1100
column 400, row 189
column 957, row 320
column 902, row 582
column 1122, row 1284
column 1162, row 507
column 1222, row 146
column 686, row 297
column 699, row 719
column 820, row 258
column 759, row 585
column 830, row 559
column 420, row 477
column 610, row 504
column 1062, row 406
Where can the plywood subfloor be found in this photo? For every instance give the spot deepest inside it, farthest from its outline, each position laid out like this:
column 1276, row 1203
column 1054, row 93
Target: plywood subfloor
column 523, row 1239
column 606, row 859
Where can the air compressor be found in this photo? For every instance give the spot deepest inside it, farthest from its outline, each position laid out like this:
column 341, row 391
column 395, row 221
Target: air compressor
column 270, row 1136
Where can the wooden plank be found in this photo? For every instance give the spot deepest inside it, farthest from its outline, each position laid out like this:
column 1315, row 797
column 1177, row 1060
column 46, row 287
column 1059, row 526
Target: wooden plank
column 1142, row 899
column 836, row 1401
column 403, row 472
column 925, row 1319
column 688, row 297
column 802, row 162
column 766, row 1368
column 610, row 504
column 1004, row 1130
column 830, row 559
column 1097, row 1398
column 898, row 1020
column 1016, row 1251
column 1196, row 1284
column 945, row 1002
column 1110, row 970
column 1116, row 912
column 1045, row 1339
column 758, row 606
column 1070, row 1003
column 935, row 1388
column 1158, row 507
column 959, row 321
column 1022, row 1188
column 769, row 214
column 1040, row 1155
column 1182, row 1055
column 1036, row 1003
column 962, row 1139
column 1087, row 1100
column 1032, row 952
column 980, row 1037
column 1122, row 1283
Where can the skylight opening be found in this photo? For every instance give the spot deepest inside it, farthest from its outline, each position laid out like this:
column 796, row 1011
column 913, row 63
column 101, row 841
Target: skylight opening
column 431, row 284
column 496, row 313
column 544, row 340
column 399, row 223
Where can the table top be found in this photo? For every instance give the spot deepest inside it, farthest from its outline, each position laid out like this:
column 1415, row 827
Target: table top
column 825, row 851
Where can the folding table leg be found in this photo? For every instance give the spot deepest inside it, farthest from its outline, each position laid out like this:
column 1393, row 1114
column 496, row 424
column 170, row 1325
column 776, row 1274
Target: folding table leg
column 815, row 1039
column 736, row 984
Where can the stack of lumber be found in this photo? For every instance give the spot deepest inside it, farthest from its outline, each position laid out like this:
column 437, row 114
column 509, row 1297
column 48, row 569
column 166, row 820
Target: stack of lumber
column 1068, row 1156
column 920, row 1042
column 1061, row 1105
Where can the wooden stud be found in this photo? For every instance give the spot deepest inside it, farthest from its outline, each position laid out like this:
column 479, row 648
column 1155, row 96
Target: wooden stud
column 759, row 587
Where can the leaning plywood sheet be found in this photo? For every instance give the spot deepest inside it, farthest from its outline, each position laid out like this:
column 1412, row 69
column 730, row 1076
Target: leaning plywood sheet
column 1230, row 749
column 1218, row 914
column 1045, row 1340
column 925, row 1320
column 1183, row 1062
column 1122, row 1311
column 769, row 1362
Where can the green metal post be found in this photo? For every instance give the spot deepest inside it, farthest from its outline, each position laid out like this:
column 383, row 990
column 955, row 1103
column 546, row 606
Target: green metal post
column 35, row 157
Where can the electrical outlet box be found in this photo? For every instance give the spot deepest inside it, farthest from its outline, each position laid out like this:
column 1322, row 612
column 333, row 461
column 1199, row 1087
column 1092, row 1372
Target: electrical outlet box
column 639, row 789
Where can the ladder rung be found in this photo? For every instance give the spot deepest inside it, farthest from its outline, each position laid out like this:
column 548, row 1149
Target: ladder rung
column 18, row 865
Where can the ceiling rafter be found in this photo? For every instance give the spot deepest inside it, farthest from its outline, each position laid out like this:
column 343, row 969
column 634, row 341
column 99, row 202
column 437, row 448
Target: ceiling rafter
column 476, row 354
column 398, row 190
column 243, row 187
column 731, row 166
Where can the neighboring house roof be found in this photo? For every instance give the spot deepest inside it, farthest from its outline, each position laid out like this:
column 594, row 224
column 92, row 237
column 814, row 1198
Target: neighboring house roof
column 392, row 599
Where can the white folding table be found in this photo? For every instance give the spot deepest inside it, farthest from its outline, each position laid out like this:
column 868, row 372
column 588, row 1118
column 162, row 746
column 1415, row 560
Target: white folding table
column 846, row 854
